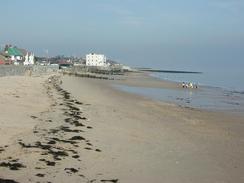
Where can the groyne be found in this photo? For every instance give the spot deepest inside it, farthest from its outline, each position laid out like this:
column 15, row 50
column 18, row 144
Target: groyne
column 168, row 71
column 94, row 72
column 88, row 75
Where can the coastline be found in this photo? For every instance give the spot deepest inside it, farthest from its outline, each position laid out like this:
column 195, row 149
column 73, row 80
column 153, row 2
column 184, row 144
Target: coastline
column 141, row 140
column 201, row 97
column 140, row 132
column 143, row 79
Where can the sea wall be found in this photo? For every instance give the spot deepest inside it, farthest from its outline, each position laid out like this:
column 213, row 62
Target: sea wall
column 12, row 70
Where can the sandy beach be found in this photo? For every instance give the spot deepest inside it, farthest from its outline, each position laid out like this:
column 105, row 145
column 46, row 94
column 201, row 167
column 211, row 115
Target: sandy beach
column 71, row 129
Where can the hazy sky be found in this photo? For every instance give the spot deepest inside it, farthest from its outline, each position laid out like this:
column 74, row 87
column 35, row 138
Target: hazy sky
column 170, row 34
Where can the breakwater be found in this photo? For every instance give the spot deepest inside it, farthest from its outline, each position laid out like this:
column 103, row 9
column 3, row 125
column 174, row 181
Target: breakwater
column 110, row 73
column 88, row 75
column 168, row 71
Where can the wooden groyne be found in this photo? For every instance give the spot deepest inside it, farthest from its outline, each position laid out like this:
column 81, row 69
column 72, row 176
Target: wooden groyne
column 88, row 75
column 168, row 71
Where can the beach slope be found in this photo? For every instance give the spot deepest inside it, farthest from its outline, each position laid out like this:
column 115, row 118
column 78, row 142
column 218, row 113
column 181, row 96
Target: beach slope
column 85, row 130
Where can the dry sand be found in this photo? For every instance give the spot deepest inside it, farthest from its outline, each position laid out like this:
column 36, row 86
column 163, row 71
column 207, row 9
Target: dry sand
column 90, row 132
column 21, row 97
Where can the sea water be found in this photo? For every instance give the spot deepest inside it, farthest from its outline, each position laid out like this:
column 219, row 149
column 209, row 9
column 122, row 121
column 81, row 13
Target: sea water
column 228, row 80
column 222, row 92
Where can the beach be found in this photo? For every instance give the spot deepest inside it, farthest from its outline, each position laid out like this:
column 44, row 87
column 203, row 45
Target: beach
column 58, row 128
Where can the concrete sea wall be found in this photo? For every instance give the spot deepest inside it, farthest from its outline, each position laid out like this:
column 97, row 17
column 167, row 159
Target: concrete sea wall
column 12, row 70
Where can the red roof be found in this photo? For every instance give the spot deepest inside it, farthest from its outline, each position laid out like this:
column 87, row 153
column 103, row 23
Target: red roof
column 2, row 62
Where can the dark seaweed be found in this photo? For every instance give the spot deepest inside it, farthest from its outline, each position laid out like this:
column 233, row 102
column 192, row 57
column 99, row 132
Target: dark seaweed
column 111, row 180
column 77, row 138
column 12, row 166
column 71, row 170
column 7, row 181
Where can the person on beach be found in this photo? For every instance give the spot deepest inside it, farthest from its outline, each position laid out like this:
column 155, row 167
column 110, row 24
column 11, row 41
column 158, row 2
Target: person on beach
column 183, row 85
column 189, row 85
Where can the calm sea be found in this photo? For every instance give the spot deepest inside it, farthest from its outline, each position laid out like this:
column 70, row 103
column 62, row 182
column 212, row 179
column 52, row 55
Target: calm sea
column 228, row 80
column 217, row 91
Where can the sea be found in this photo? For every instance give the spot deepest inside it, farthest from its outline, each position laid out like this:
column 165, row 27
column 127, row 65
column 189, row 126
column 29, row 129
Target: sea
column 219, row 91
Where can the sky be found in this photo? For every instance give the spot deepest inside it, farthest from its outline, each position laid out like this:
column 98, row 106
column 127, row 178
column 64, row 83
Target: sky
column 166, row 34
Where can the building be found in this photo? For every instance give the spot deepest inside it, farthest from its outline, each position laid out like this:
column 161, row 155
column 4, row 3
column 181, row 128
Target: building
column 2, row 60
column 15, row 54
column 93, row 59
column 19, row 56
column 5, row 59
column 29, row 59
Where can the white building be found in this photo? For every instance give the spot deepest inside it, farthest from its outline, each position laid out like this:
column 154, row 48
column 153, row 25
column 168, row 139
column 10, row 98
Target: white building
column 93, row 59
column 29, row 59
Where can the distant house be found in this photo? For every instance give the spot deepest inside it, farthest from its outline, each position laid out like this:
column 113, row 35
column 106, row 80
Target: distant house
column 15, row 54
column 19, row 56
column 93, row 59
column 63, row 64
column 4, row 59
column 28, row 57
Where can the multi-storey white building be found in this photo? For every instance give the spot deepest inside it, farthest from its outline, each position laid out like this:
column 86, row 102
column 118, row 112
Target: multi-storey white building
column 93, row 59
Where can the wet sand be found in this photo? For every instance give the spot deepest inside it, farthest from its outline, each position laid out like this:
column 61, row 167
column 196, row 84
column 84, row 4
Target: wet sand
column 84, row 130
column 143, row 79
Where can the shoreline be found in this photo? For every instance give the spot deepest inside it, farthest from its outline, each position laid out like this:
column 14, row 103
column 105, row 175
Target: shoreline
column 144, row 80
column 203, row 83
column 123, row 114
column 203, row 98
column 104, row 134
